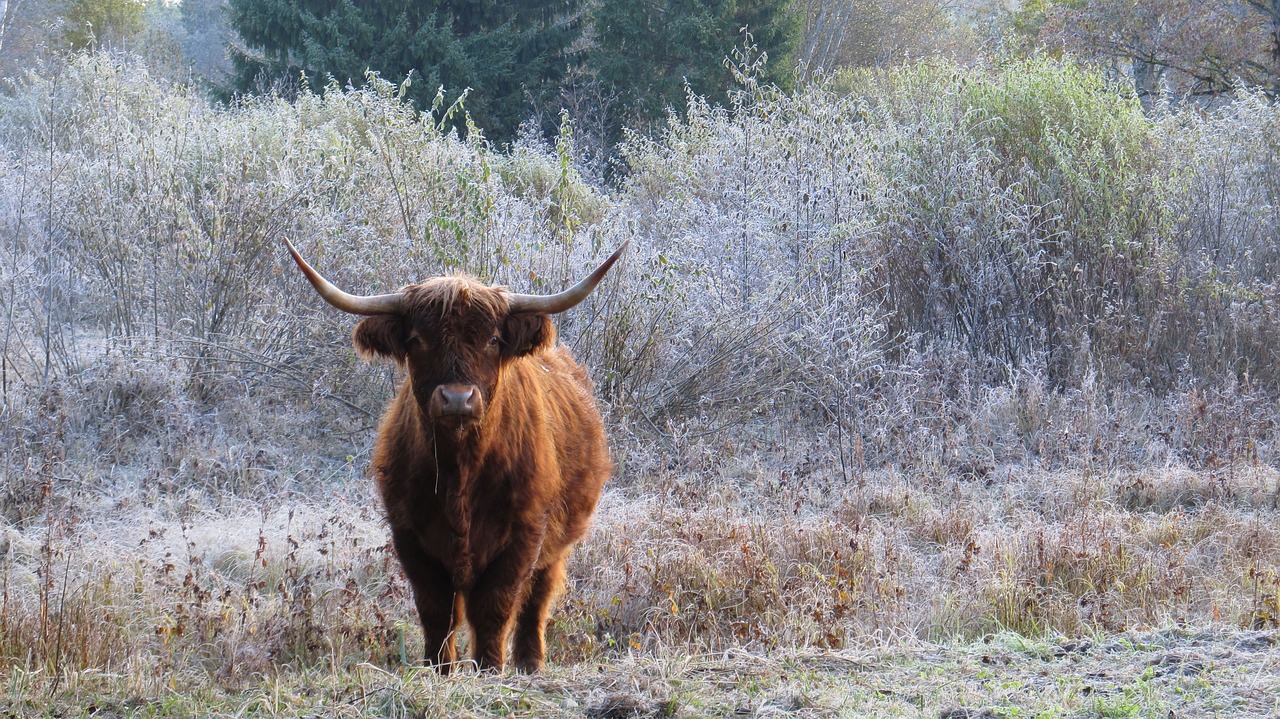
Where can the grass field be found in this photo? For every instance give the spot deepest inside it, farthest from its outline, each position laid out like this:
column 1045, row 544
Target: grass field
column 718, row 593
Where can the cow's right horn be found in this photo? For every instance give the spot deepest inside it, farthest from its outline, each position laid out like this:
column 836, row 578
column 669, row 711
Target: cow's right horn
column 355, row 304
column 551, row 304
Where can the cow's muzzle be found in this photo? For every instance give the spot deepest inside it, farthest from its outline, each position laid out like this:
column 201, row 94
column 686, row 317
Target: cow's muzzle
column 457, row 401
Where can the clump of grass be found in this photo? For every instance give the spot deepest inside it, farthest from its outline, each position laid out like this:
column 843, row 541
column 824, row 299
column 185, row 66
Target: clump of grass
column 1035, row 553
column 199, row 594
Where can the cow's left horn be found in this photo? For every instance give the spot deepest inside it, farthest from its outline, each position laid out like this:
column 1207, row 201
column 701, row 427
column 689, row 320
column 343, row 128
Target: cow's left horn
column 355, row 304
column 551, row 304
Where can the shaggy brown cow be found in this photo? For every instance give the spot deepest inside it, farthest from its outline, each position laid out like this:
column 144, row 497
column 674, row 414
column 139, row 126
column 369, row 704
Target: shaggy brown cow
column 489, row 460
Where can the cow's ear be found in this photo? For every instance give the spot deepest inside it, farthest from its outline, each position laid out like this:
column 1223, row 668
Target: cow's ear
column 381, row 336
column 526, row 333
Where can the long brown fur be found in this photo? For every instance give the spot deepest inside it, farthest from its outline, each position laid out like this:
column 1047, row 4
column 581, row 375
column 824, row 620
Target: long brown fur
column 484, row 514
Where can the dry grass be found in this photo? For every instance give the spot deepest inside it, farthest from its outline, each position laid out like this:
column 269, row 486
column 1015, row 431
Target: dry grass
column 1144, row 674
column 723, row 585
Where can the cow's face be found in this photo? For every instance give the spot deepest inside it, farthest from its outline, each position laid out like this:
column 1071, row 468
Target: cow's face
column 454, row 335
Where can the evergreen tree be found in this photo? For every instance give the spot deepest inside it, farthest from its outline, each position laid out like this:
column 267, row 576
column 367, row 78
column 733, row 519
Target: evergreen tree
column 506, row 51
column 646, row 50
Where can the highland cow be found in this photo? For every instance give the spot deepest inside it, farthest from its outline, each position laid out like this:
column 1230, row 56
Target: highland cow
column 489, row 460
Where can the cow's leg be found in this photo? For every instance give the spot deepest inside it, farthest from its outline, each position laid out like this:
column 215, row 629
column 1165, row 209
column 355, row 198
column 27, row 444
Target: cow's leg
column 439, row 606
column 492, row 602
column 529, row 646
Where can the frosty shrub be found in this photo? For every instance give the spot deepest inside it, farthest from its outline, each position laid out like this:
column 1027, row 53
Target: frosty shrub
column 141, row 220
column 761, row 211
column 936, row 264
column 1026, row 217
column 876, row 250
column 1224, row 171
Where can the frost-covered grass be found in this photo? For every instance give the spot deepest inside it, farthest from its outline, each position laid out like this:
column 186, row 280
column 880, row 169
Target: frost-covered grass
column 719, row 584
column 1138, row 674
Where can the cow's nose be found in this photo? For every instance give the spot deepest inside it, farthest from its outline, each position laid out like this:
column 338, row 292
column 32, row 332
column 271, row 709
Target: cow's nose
column 457, row 399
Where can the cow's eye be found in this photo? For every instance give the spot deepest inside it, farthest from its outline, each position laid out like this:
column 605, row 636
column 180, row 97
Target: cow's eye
column 494, row 340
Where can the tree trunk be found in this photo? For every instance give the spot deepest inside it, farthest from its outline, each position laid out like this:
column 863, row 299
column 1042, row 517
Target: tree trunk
column 1146, row 82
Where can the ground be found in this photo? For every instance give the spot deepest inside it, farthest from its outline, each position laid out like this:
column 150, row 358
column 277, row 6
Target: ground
column 1167, row 673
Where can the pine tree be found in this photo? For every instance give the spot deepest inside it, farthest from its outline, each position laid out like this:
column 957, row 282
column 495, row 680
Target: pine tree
column 646, row 50
column 506, row 51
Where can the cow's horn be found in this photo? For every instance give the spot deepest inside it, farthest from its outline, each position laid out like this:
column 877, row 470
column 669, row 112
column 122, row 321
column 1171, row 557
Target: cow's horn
column 355, row 304
column 551, row 304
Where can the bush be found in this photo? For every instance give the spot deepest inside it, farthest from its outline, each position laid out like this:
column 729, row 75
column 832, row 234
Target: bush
column 888, row 243
column 145, row 223
column 914, row 266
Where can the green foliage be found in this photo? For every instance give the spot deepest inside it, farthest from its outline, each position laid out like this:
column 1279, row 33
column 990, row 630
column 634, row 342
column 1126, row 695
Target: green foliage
column 1028, row 20
column 649, row 53
column 1070, row 157
column 1079, row 150
column 503, row 51
column 101, row 21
